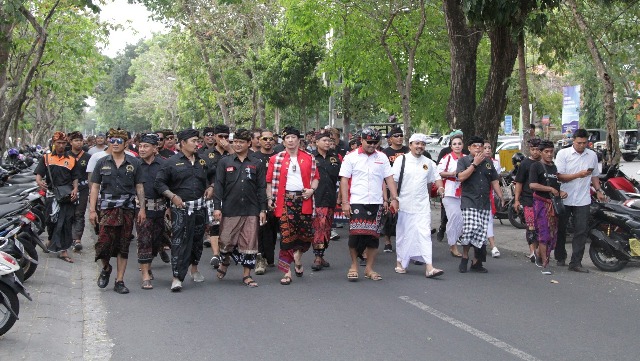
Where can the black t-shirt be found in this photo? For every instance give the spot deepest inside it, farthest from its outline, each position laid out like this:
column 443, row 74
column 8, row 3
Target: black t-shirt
column 392, row 154
column 476, row 189
column 326, row 194
column 526, row 196
column 546, row 175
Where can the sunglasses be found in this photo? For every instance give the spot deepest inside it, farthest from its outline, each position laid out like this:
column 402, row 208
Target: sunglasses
column 225, row 136
column 208, row 134
column 116, row 140
column 160, row 139
column 370, row 142
column 399, row 135
column 266, row 139
column 169, row 137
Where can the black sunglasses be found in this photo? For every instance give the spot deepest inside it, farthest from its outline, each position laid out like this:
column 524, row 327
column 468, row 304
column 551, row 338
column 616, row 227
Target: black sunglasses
column 208, row 134
column 170, row 137
column 371, row 142
column 398, row 135
column 266, row 139
column 225, row 136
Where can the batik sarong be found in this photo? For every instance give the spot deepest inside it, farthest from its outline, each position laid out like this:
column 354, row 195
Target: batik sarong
column 366, row 220
column 546, row 222
column 296, row 232
column 116, row 225
column 150, row 236
column 529, row 220
column 322, row 229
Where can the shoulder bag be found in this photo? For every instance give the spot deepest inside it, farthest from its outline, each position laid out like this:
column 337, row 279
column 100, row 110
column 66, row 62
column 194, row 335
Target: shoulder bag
column 62, row 193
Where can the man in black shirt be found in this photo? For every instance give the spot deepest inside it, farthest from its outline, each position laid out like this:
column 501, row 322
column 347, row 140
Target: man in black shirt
column 396, row 148
column 151, row 231
column 325, row 196
column 60, row 170
column 268, row 233
column 478, row 176
column 82, row 159
column 240, row 202
column 524, row 196
column 117, row 181
column 169, row 144
column 183, row 181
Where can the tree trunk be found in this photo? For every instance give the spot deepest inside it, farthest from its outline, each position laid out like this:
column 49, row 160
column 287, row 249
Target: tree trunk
column 609, row 102
column 524, row 94
column 463, row 47
column 346, row 111
column 261, row 112
column 277, row 120
column 491, row 109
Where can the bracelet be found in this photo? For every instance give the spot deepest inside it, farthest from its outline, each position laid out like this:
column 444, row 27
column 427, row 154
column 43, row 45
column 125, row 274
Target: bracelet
column 173, row 196
column 474, row 165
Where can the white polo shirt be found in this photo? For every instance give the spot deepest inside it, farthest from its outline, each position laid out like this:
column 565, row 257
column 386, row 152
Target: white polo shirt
column 367, row 173
column 568, row 161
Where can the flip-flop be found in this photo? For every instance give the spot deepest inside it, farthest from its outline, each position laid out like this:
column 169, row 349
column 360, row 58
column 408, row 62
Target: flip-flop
column 434, row 273
column 146, row 285
column 352, row 275
column 296, row 268
column 77, row 246
column 65, row 258
column 285, row 281
column 400, row 270
column 374, row 276
column 222, row 273
column 250, row 284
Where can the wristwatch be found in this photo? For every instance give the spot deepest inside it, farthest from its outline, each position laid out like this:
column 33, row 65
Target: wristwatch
column 600, row 190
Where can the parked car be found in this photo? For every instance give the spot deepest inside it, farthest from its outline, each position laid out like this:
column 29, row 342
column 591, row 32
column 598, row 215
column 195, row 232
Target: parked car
column 627, row 141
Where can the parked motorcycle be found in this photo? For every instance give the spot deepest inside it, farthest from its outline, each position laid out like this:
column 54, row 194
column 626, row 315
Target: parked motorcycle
column 10, row 286
column 617, row 185
column 516, row 218
column 615, row 234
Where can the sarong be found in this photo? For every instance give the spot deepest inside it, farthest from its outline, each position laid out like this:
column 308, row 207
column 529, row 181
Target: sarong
column 150, row 236
column 296, row 232
column 529, row 220
column 116, row 225
column 267, row 236
column 240, row 234
column 187, row 230
column 413, row 238
column 322, row 229
column 546, row 222
column 80, row 210
column 474, row 230
column 59, row 226
column 366, row 220
column 454, row 216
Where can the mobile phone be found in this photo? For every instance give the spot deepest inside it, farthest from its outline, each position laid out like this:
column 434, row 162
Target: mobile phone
column 590, row 169
column 392, row 209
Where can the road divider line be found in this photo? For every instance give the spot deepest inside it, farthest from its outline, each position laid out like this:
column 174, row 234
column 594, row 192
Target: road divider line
column 471, row 330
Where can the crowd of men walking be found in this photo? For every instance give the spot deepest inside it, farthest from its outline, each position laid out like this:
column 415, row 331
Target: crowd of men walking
column 182, row 191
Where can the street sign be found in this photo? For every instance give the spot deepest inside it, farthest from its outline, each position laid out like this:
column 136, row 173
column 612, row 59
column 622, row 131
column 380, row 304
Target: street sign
column 508, row 124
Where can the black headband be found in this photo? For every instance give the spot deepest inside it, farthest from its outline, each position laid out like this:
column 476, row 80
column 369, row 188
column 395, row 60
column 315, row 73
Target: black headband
column 187, row 133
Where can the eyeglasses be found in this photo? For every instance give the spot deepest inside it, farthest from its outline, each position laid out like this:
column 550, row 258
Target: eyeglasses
column 398, row 135
column 208, row 134
column 160, row 139
column 116, row 140
column 225, row 136
column 370, row 142
column 266, row 139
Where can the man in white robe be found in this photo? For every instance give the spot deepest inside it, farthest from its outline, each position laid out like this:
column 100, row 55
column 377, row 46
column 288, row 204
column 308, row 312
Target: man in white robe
column 413, row 232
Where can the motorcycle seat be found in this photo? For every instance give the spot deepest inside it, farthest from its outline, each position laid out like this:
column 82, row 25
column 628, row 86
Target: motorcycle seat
column 12, row 208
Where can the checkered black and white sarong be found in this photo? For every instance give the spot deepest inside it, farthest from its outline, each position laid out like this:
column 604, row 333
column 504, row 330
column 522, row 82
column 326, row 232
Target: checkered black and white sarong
column 194, row 205
column 474, row 229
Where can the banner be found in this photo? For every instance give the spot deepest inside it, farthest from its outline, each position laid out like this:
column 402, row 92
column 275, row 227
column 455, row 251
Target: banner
column 570, row 108
column 508, row 124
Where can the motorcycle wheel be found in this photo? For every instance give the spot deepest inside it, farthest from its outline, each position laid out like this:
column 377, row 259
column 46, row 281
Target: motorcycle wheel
column 516, row 219
column 39, row 223
column 30, row 249
column 7, row 319
column 629, row 157
column 604, row 260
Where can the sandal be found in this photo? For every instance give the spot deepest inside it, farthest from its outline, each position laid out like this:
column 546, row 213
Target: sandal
column 251, row 284
column 352, row 275
column 317, row 265
column 77, row 246
column 301, row 272
column 400, row 270
column 146, row 285
column 374, row 276
column 221, row 272
column 285, row 281
column 434, row 273
column 65, row 258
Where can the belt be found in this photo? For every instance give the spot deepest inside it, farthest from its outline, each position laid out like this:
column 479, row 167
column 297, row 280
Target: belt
column 158, row 204
column 292, row 195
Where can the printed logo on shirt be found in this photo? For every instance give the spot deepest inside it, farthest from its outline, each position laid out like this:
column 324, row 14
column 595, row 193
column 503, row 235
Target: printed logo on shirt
column 488, row 165
column 83, row 163
column 129, row 168
column 425, row 167
column 230, row 169
column 66, row 163
column 106, row 167
column 181, row 163
column 212, row 155
column 202, row 162
column 333, row 160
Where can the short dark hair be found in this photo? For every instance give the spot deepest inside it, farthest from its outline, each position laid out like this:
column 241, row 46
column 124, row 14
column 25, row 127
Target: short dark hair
column 580, row 133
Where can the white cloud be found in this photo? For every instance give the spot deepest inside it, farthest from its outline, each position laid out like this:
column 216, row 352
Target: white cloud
column 134, row 18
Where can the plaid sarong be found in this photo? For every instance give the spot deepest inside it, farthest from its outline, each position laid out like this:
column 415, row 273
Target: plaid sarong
column 193, row 205
column 474, row 229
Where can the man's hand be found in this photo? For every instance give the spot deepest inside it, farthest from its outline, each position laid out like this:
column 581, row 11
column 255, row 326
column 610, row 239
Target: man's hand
column 93, row 217
column 177, row 201
column 584, row 173
column 42, row 184
column 263, row 218
column 601, row 197
column 516, row 205
column 478, row 158
column 208, row 193
column 142, row 216
column 346, row 210
column 217, row 214
column 563, row 194
column 74, row 194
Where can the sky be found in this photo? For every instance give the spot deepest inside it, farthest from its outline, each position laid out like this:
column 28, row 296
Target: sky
column 134, row 17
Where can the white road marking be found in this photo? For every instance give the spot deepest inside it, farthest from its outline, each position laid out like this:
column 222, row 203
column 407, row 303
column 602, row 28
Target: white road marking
column 473, row 331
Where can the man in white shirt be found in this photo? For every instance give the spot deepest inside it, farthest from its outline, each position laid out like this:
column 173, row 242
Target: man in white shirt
column 362, row 201
column 578, row 171
column 415, row 173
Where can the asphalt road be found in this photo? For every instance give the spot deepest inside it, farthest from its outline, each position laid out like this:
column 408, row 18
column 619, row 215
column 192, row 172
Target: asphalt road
column 512, row 313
